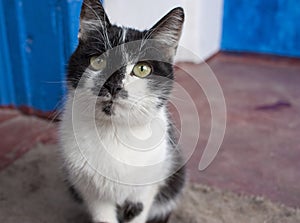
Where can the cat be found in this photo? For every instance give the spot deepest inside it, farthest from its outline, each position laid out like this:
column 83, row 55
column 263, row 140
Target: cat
column 117, row 142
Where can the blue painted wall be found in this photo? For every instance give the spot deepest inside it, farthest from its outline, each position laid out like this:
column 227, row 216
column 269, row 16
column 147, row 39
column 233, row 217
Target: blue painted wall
column 264, row 26
column 36, row 39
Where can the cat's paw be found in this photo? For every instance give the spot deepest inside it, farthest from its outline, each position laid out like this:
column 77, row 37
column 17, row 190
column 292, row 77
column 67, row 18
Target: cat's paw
column 129, row 210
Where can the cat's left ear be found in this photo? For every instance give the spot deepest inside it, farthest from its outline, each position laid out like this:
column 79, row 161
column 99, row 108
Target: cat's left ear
column 92, row 16
column 168, row 29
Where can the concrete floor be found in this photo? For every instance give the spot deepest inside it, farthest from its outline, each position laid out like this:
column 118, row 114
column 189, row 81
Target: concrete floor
column 261, row 149
column 32, row 191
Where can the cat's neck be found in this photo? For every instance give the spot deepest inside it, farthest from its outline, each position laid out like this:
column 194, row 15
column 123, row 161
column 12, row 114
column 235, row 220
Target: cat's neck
column 158, row 118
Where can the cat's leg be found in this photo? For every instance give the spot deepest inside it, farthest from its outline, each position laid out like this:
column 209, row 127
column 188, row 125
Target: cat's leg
column 103, row 211
column 167, row 197
column 129, row 210
column 144, row 199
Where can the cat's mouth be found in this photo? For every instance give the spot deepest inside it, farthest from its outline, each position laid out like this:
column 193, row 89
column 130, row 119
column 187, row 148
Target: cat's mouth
column 109, row 107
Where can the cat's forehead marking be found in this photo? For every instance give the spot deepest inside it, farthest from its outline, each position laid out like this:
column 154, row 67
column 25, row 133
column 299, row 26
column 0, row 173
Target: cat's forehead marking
column 124, row 31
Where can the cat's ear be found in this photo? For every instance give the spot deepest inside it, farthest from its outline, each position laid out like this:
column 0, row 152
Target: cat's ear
column 168, row 29
column 92, row 16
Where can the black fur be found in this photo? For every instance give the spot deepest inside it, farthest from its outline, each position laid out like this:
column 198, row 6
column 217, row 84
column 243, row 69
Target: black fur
column 74, row 193
column 174, row 184
column 159, row 55
column 128, row 211
column 160, row 220
column 172, row 188
column 93, row 43
column 107, row 107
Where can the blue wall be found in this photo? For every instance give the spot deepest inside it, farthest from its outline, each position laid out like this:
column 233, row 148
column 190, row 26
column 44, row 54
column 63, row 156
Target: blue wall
column 263, row 26
column 36, row 37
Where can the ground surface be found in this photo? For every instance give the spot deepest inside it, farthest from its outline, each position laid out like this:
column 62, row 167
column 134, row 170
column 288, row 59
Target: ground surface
column 261, row 149
column 259, row 155
column 32, row 191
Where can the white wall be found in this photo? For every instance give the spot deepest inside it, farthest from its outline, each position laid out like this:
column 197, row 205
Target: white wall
column 202, row 29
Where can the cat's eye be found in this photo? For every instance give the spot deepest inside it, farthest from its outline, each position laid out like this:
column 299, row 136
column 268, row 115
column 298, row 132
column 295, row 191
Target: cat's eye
column 97, row 63
column 142, row 69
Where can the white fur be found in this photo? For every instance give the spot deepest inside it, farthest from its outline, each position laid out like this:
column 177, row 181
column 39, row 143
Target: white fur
column 122, row 156
column 109, row 159
column 124, row 34
column 162, row 210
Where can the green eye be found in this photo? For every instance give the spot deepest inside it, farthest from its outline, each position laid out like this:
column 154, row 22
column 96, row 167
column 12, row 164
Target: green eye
column 97, row 63
column 142, row 69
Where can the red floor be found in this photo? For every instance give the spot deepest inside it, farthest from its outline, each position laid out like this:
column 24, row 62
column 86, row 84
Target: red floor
column 261, row 150
column 19, row 133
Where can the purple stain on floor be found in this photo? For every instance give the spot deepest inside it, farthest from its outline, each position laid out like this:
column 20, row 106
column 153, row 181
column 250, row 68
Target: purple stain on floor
column 274, row 106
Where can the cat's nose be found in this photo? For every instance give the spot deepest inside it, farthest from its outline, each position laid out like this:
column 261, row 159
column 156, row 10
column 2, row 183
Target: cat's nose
column 112, row 88
column 104, row 93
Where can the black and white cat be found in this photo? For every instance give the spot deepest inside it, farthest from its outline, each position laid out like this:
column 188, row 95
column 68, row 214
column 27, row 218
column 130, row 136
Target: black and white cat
column 117, row 141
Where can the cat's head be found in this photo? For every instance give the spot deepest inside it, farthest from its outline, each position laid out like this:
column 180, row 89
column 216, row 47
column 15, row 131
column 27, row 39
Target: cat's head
column 122, row 71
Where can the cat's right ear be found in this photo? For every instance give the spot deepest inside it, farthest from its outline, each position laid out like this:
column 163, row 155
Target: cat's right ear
column 168, row 29
column 92, row 17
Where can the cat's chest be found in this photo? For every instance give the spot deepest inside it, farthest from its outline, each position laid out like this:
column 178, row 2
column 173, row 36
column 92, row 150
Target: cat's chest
column 136, row 146
column 116, row 152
